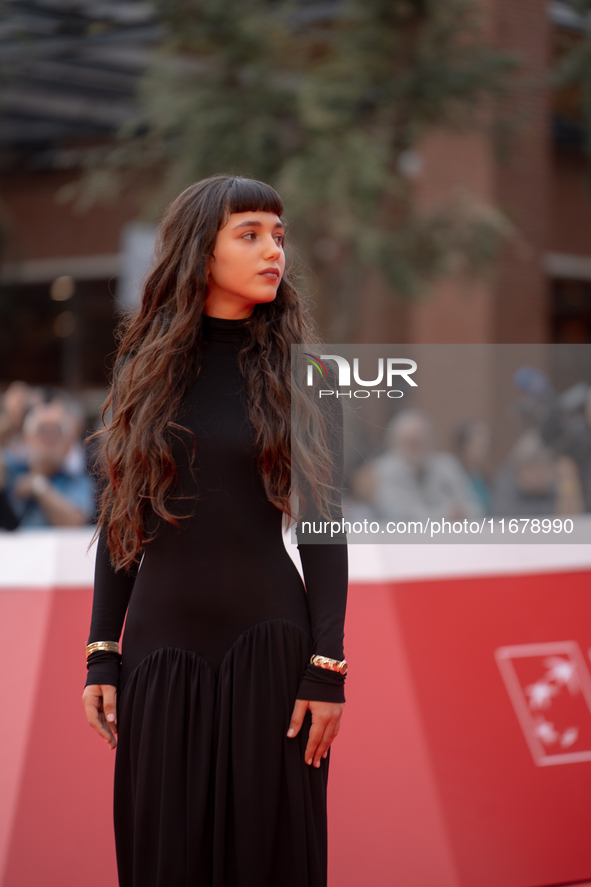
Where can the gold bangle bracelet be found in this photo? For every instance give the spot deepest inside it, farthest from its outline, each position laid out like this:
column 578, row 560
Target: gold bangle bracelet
column 339, row 665
column 106, row 646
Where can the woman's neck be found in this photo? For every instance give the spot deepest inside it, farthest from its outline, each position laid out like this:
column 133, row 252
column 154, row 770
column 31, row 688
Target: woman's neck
column 227, row 311
column 225, row 329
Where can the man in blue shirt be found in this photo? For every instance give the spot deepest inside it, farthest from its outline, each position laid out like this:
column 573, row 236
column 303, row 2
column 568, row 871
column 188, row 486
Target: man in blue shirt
column 48, row 486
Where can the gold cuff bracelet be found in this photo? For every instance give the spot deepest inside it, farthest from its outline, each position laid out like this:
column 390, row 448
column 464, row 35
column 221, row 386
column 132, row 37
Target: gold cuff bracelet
column 339, row 665
column 107, row 646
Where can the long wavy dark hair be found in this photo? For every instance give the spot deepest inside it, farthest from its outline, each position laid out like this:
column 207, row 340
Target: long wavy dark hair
column 158, row 350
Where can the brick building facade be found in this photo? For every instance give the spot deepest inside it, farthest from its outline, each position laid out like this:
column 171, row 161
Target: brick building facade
column 538, row 291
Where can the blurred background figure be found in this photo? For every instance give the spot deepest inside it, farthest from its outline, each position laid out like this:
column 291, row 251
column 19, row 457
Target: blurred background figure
column 47, row 483
column 537, row 482
column 413, row 481
column 18, row 399
column 561, row 424
column 473, row 443
column 585, row 462
column 8, row 519
column 359, row 490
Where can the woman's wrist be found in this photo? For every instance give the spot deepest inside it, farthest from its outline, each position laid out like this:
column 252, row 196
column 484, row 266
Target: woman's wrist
column 103, row 668
column 338, row 665
column 102, row 647
column 103, row 659
column 321, row 685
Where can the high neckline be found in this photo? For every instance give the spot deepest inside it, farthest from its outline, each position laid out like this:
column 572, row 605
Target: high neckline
column 225, row 329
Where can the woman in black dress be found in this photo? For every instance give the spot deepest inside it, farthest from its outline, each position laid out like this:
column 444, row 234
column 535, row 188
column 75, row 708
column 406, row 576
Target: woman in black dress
column 223, row 722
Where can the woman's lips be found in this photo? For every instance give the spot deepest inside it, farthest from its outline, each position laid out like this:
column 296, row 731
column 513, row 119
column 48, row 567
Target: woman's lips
column 270, row 273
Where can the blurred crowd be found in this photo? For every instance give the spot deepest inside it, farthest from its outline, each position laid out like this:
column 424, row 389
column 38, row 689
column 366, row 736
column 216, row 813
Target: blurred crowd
column 546, row 472
column 45, row 479
column 44, row 476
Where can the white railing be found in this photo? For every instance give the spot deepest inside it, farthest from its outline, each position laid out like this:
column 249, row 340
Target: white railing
column 60, row 557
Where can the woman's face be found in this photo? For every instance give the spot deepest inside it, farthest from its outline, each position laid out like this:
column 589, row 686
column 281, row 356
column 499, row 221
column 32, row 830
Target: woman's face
column 247, row 265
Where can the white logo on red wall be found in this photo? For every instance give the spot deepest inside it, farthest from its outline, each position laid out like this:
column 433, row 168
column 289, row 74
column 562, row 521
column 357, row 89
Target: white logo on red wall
column 550, row 688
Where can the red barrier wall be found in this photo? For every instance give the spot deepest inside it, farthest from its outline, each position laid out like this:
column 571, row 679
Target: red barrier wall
column 434, row 778
column 61, row 822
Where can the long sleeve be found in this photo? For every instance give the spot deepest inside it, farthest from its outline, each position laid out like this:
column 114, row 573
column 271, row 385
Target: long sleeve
column 112, row 592
column 326, row 575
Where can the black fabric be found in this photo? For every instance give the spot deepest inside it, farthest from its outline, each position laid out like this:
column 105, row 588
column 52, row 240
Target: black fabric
column 218, row 636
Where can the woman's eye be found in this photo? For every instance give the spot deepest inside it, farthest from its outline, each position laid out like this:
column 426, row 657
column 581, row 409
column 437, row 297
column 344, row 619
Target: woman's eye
column 251, row 235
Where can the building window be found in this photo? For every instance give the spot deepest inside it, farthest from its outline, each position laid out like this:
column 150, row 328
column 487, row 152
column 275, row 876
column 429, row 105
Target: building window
column 66, row 341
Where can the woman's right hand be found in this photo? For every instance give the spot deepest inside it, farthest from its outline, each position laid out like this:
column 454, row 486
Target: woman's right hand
column 100, row 703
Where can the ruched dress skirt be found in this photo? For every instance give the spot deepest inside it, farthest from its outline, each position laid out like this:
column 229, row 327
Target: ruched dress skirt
column 209, row 791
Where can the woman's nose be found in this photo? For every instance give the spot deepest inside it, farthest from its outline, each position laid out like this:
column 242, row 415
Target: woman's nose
column 273, row 248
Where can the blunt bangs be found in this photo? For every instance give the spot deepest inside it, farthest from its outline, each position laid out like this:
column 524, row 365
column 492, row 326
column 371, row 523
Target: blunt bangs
column 249, row 195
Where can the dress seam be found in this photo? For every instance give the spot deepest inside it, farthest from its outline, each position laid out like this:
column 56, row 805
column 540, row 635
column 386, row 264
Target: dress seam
column 202, row 658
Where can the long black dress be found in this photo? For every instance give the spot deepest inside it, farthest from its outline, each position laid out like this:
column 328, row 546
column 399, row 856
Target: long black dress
column 209, row 791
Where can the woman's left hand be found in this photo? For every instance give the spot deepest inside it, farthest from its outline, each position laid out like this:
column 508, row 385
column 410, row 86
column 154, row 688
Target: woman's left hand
column 326, row 721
